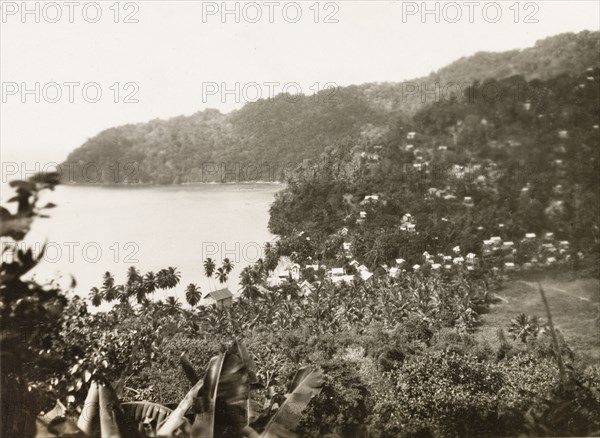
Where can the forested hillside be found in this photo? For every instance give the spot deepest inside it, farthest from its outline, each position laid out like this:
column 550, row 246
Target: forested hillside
column 265, row 139
column 527, row 162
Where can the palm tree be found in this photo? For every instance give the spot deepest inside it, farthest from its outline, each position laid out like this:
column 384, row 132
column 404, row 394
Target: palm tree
column 227, row 266
column 109, row 292
column 133, row 276
column 134, row 286
column 193, row 294
column 96, row 297
column 146, row 306
column 209, row 269
column 150, row 283
column 168, row 278
column 248, row 283
column 221, row 275
column 122, row 293
column 161, row 279
column 173, row 306
column 173, row 277
column 524, row 326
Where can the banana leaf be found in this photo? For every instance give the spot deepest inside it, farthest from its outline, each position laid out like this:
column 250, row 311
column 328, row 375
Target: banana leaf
column 225, row 399
column 306, row 384
column 189, row 369
column 177, row 418
column 248, row 362
column 88, row 420
column 146, row 415
column 223, row 403
column 102, row 415
column 113, row 423
column 204, row 421
column 247, row 376
column 233, row 394
column 108, row 419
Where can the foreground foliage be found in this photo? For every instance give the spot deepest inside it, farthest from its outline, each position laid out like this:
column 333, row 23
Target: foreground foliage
column 218, row 405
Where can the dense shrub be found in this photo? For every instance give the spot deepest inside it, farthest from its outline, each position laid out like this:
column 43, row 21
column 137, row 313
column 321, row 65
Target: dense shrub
column 442, row 394
column 162, row 380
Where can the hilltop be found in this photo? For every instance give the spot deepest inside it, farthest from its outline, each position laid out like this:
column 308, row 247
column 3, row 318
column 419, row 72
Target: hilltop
column 265, row 139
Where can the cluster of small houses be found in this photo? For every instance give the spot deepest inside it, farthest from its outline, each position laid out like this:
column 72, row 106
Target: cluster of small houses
column 484, row 175
column 288, row 271
column 531, row 252
column 422, row 162
column 480, row 174
column 503, row 256
column 407, row 221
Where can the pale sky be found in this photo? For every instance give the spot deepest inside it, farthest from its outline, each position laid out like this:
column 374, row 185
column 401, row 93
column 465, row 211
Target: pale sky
column 174, row 52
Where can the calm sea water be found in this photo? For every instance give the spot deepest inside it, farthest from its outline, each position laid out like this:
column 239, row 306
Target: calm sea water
column 98, row 229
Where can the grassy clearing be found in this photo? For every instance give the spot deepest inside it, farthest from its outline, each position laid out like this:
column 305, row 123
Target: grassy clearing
column 575, row 306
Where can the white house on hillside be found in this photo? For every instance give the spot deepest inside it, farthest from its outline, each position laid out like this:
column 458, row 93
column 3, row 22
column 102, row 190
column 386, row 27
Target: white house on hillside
column 284, row 271
column 306, row 288
column 336, row 272
column 370, row 198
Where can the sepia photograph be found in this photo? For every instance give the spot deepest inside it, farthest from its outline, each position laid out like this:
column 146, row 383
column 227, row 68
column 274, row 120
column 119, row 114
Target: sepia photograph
column 310, row 218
